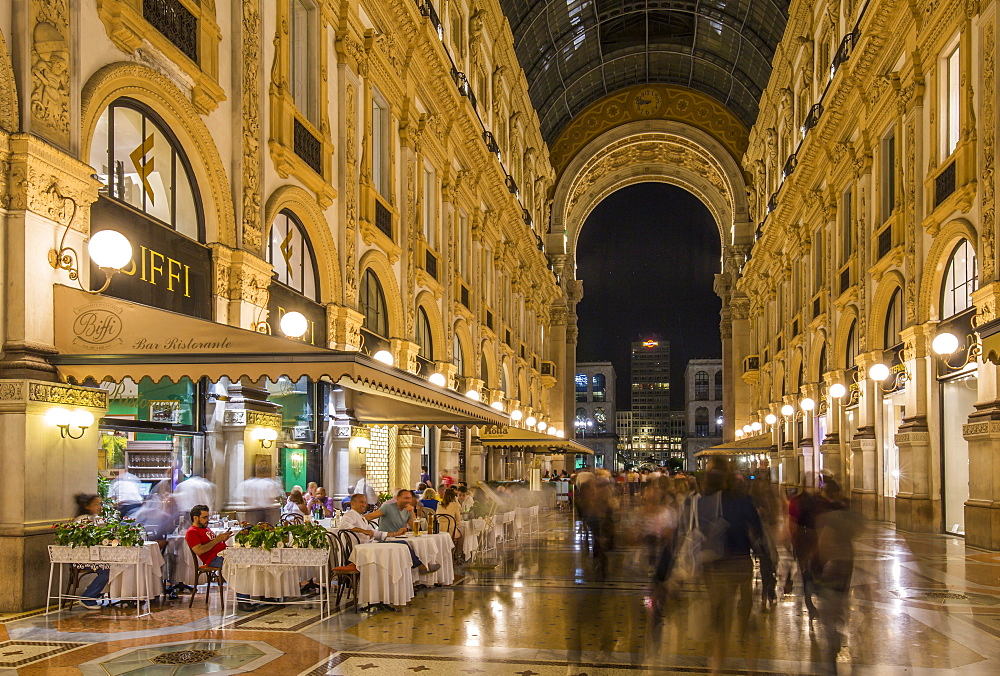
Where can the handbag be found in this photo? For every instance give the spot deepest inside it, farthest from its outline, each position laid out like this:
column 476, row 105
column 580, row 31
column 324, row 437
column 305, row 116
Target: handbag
column 687, row 560
column 713, row 546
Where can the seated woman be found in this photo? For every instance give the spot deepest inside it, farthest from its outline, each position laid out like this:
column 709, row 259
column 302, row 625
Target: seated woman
column 429, row 499
column 296, row 504
column 451, row 507
column 88, row 509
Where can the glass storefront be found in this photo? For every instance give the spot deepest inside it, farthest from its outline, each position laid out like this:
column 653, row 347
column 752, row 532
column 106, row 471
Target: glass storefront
column 958, row 400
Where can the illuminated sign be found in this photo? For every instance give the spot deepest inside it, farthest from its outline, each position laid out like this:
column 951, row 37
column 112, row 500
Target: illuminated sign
column 650, row 343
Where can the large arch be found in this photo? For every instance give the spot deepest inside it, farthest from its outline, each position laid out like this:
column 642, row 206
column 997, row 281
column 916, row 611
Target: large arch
column 664, row 151
column 848, row 319
column 464, row 336
column 891, row 281
column 304, row 206
column 425, row 299
column 813, row 374
column 153, row 89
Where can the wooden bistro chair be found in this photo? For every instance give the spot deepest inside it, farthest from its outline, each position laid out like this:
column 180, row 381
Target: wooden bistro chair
column 291, row 519
column 76, row 576
column 445, row 523
column 211, row 574
column 341, row 568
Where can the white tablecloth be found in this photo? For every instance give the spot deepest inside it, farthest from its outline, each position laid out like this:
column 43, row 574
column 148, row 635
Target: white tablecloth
column 121, row 582
column 178, row 555
column 471, row 530
column 386, row 576
column 263, row 581
column 431, row 549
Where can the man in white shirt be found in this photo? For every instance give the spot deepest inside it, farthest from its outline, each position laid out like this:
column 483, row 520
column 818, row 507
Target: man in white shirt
column 354, row 520
column 465, row 501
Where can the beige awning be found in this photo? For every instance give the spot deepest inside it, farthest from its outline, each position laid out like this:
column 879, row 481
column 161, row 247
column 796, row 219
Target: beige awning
column 535, row 442
column 107, row 339
column 748, row 445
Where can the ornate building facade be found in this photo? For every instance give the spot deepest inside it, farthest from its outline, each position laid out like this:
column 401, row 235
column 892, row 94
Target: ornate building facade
column 871, row 184
column 376, row 167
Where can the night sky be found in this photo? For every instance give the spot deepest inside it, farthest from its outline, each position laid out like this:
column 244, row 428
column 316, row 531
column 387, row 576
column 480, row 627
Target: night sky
column 647, row 256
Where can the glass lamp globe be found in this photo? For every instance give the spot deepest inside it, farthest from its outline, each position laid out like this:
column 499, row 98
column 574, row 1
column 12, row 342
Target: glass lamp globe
column 516, row 414
column 755, row 426
column 82, row 418
column 498, row 405
column 58, row 416
column 384, row 356
column 294, row 324
column 807, row 404
column 110, row 249
column 559, row 433
column 878, row 372
column 542, row 425
column 945, row 343
column 787, row 409
column 530, row 421
column 739, row 433
column 770, row 419
column 747, row 429
column 473, row 395
column 837, row 390
column 438, row 379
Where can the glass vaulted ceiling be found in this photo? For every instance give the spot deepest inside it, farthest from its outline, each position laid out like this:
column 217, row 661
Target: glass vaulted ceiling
column 574, row 52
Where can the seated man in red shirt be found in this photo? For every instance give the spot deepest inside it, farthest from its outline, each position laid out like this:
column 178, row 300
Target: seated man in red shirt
column 203, row 541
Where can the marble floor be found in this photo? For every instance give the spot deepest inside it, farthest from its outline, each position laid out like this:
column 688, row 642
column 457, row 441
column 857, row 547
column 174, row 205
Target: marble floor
column 920, row 604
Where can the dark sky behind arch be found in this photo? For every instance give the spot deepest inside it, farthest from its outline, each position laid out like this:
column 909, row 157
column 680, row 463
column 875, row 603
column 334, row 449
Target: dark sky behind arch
column 647, row 256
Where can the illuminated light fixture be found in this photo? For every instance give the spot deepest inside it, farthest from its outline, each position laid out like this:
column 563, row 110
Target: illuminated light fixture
column 542, row 425
column 770, row 419
column 755, row 426
column 361, row 438
column 473, row 395
column 807, row 404
column 385, row 357
column 294, row 324
column 878, row 372
column 64, row 419
column 531, row 421
column 559, row 433
column 109, row 250
column 498, row 405
column 438, row 379
column 650, row 343
column 739, row 433
column 265, row 435
column 945, row 344
column 296, row 461
column 747, row 429
column 837, row 390
column 516, row 414
column 787, row 409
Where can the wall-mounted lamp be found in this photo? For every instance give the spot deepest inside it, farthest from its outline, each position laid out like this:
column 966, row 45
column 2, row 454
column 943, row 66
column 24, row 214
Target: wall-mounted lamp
column 385, row 357
column 542, row 425
column 296, row 460
column 265, row 435
column 755, row 426
column 770, row 418
column 438, row 379
column 474, row 395
column 739, row 432
column 498, row 405
column 109, row 249
column 64, row 419
column 559, row 433
column 946, row 344
column 888, row 380
column 516, row 415
column 294, row 324
column 531, row 421
column 837, row 390
column 361, row 438
column 807, row 404
column 787, row 410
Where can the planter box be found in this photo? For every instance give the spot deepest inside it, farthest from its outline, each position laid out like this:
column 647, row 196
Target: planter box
column 99, row 554
column 282, row 556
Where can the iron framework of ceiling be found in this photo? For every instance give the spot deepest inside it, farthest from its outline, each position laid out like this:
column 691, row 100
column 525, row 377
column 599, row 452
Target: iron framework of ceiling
column 575, row 52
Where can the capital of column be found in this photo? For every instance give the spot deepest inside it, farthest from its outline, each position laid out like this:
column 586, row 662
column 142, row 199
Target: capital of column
column 404, row 353
column 343, row 327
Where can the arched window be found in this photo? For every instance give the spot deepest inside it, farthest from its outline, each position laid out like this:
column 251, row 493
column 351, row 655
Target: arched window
column 701, row 386
column 582, row 421
column 291, row 255
column 141, row 163
column 961, row 278
column 852, row 345
column 580, row 384
column 718, row 421
column 893, row 320
column 459, row 357
column 484, row 368
column 424, row 339
column 718, row 384
column 600, row 387
column 701, row 421
column 504, row 381
column 373, row 304
column 600, row 420
column 822, row 361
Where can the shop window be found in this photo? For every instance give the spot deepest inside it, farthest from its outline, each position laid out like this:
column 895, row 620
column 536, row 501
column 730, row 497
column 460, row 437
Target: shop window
column 600, row 387
column 424, row 339
column 458, row 354
column 291, row 255
column 701, row 386
column 701, row 422
column 583, row 421
column 297, row 401
column 961, row 278
column 141, row 164
column 893, row 320
column 373, row 305
column 718, row 384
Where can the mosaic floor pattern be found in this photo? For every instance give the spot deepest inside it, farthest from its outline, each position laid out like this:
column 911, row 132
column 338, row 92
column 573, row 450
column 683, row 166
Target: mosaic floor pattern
column 920, row 604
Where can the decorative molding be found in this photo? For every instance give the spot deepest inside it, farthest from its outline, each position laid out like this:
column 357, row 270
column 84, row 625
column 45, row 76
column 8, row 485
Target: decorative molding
column 66, row 394
column 8, row 91
column 262, row 419
column 988, row 155
column 250, row 112
column 50, row 70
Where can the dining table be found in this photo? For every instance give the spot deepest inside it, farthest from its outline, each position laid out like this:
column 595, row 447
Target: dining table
column 471, row 530
column 385, row 573
column 125, row 582
column 431, row 549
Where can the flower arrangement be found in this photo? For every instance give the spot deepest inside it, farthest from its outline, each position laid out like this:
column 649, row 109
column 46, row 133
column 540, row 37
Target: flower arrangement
column 384, row 496
column 125, row 533
column 296, row 536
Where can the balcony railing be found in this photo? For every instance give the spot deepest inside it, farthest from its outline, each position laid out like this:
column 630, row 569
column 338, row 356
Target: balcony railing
column 511, row 185
column 944, row 184
column 846, row 48
column 845, row 280
column 431, row 263
column 491, row 142
column 884, row 242
column 307, row 147
column 175, row 22
column 383, row 218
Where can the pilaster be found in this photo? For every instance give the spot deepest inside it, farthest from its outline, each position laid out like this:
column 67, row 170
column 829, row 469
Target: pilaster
column 405, row 467
column 343, row 328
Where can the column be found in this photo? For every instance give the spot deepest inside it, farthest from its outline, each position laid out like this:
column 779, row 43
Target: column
column 918, row 501
column 244, row 456
column 808, row 444
column 829, row 446
column 864, row 445
column 789, row 457
column 448, row 451
column 405, row 467
column 343, row 455
column 735, row 346
column 475, row 459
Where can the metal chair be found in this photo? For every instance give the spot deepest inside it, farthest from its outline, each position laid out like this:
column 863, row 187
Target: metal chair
column 211, row 573
column 341, row 569
column 76, row 576
column 450, row 523
column 292, row 518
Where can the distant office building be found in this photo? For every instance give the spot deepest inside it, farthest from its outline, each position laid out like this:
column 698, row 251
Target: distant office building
column 703, row 406
column 595, row 411
column 623, row 427
column 650, row 376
